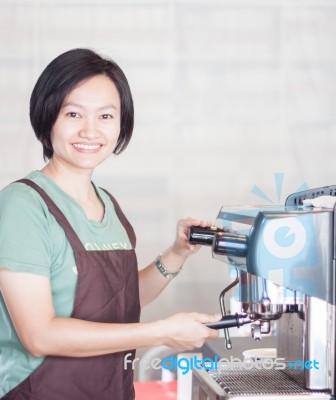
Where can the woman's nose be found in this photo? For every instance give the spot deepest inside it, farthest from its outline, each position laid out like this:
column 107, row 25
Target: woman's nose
column 89, row 130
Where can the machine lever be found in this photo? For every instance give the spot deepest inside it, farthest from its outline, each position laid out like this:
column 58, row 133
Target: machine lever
column 227, row 339
column 230, row 321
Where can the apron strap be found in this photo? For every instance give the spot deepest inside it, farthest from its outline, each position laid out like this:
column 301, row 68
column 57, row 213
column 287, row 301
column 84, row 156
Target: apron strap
column 123, row 220
column 74, row 240
column 72, row 236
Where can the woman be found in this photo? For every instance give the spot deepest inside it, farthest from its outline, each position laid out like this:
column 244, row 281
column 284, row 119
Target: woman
column 71, row 290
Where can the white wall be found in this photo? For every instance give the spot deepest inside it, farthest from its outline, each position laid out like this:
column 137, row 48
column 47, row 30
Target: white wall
column 227, row 93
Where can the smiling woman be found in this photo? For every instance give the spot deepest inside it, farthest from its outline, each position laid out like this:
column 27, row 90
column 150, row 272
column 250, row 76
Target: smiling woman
column 87, row 128
column 60, row 77
column 70, row 288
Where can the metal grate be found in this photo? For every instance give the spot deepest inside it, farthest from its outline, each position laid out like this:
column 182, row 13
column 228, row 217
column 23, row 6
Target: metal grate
column 236, row 380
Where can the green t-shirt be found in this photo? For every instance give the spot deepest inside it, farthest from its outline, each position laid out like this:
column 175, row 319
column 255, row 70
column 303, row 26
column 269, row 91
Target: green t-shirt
column 31, row 240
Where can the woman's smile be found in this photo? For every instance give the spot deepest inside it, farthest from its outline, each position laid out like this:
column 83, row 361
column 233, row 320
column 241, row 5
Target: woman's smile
column 87, row 148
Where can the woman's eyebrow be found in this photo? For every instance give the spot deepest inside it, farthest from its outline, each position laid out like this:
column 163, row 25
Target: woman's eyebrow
column 108, row 106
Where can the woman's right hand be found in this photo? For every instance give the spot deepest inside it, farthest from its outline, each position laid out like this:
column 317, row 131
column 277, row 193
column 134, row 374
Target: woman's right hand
column 186, row 331
column 28, row 298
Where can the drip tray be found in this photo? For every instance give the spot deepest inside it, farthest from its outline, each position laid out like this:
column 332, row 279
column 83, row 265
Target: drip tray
column 233, row 381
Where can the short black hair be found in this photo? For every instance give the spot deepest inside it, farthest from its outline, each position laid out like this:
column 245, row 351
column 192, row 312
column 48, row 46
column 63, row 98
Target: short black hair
column 62, row 75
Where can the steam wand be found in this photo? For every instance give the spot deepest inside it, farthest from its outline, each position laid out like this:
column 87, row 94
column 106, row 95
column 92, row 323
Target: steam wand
column 227, row 339
column 208, row 237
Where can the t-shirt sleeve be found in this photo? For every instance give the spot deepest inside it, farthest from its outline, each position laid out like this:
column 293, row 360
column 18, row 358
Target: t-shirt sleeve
column 24, row 231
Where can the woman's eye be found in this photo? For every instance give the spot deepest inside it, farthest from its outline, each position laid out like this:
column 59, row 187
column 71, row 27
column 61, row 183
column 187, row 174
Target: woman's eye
column 106, row 116
column 73, row 115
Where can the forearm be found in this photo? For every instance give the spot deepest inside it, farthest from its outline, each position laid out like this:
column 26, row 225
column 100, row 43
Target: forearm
column 72, row 337
column 152, row 281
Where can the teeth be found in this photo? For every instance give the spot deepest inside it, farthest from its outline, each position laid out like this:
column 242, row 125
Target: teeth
column 86, row 146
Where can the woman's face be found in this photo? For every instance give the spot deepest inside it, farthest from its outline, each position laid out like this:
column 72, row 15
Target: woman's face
column 87, row 128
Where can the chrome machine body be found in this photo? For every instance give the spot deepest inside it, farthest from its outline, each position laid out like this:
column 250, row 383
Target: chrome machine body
column 285, row 261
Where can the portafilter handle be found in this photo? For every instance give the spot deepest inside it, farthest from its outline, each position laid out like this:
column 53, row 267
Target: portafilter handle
column 201, row 235
column 230, row 321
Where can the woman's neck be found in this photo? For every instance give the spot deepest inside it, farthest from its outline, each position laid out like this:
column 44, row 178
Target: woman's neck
column 76, row 183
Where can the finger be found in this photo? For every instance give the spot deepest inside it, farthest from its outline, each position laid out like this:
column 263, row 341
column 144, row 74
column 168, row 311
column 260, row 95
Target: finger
column 189, row 221
column 200, row 222
column 205, row 318
column 213, row 333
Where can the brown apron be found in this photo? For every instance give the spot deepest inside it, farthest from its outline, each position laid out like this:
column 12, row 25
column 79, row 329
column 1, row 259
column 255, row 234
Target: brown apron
column 107, row 291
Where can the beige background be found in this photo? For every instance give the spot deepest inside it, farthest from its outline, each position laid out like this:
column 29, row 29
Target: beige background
column 227, row 93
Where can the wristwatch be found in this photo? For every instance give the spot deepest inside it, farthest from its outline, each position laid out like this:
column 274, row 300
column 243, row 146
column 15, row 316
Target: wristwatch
column 163, row 270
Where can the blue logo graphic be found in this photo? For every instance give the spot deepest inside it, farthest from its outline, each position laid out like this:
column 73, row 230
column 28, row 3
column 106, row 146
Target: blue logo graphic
column 286, row 243
column 278, row 179
column 284, row 236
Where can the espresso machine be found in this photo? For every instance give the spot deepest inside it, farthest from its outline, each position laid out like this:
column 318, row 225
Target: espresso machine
column 284, row 258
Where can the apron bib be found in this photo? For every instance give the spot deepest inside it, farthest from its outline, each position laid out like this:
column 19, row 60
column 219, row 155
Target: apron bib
column 107, row 291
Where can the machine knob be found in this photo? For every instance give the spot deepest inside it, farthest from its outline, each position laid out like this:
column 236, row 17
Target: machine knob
column 230, row 244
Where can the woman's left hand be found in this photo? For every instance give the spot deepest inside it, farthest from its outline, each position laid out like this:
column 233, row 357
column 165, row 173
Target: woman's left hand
column 151, row 282
column 181, row 245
